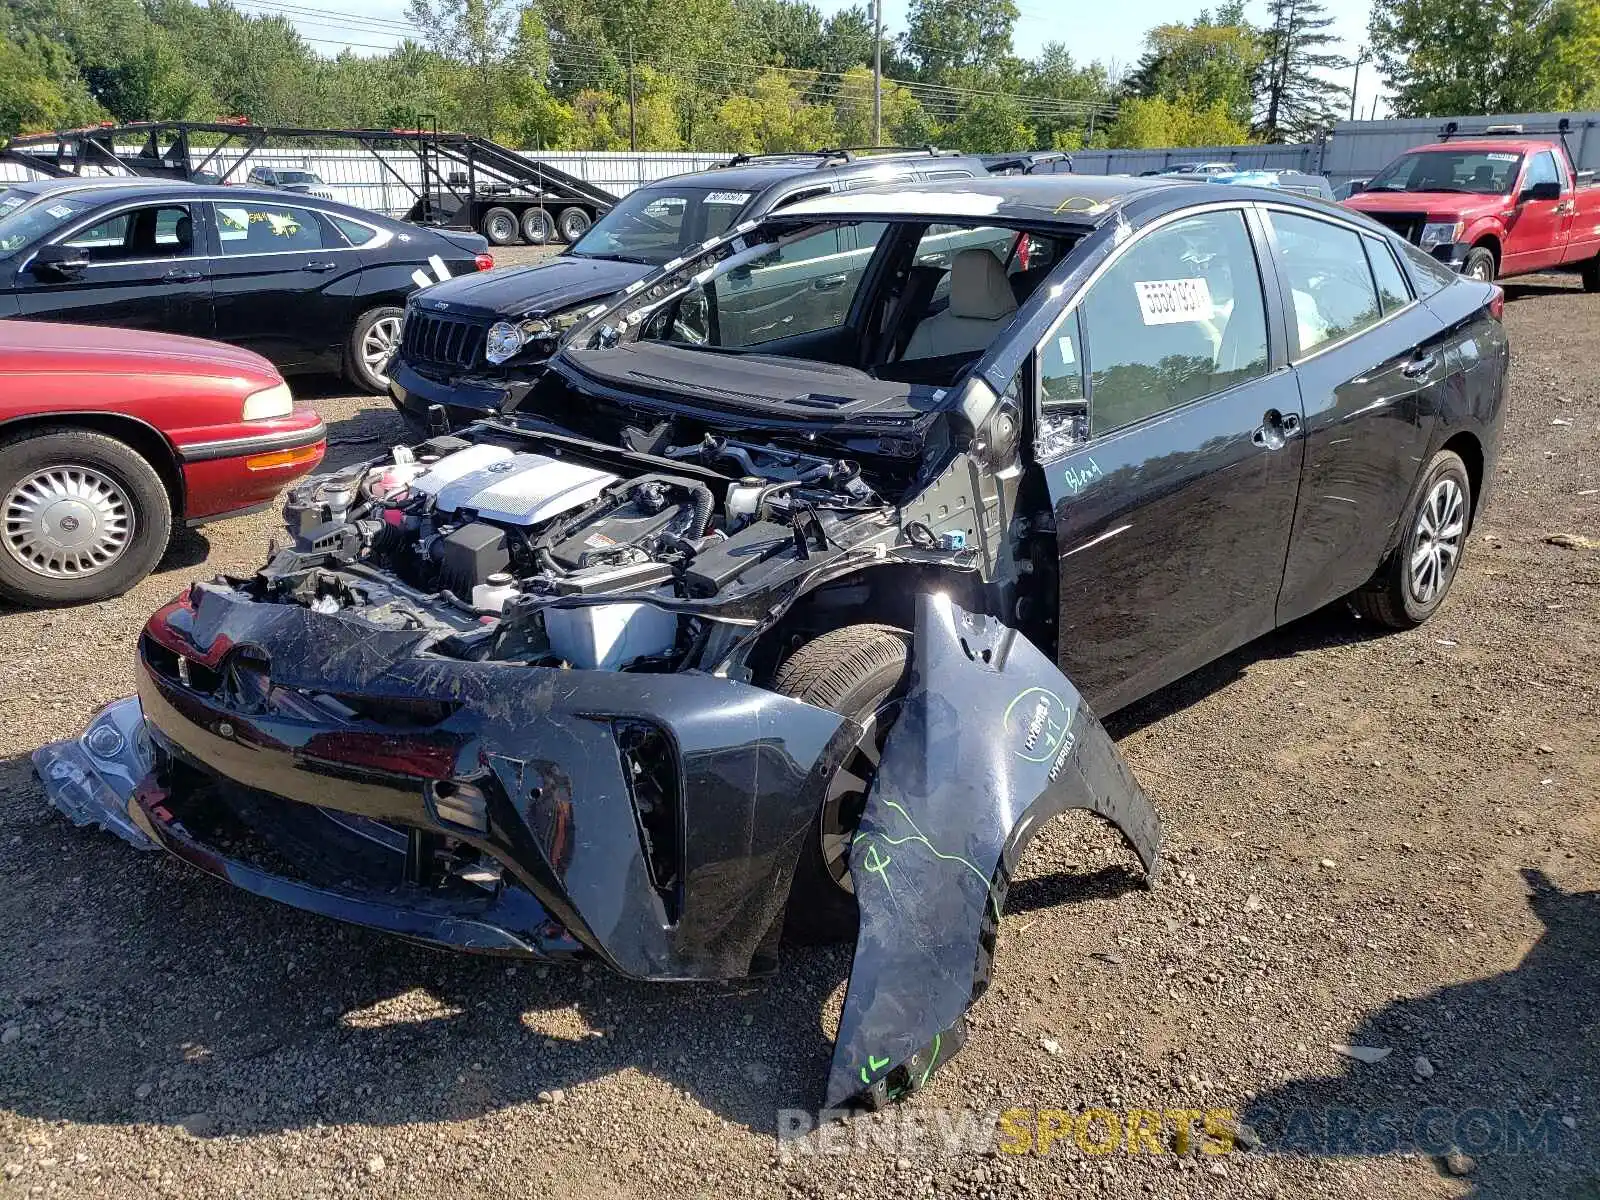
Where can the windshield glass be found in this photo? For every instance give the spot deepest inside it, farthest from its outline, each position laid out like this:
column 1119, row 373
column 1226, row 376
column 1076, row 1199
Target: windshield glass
column 656, row 224
column 298, row 177
column 23, row 224
column 1482, row 172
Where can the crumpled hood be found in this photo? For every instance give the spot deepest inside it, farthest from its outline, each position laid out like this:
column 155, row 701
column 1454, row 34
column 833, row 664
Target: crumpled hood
column 538, row 289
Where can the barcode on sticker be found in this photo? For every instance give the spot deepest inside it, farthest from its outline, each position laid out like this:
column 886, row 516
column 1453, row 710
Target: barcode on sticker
column 727, row 197
column 1169, row 301
column 1498, row 157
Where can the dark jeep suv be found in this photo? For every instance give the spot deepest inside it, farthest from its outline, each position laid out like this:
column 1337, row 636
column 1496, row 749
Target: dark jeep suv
column 471, row 345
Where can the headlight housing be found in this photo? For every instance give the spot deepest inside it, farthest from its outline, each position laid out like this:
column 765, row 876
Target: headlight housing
column 275, row 401
column 1440, row 233
column 506, row 339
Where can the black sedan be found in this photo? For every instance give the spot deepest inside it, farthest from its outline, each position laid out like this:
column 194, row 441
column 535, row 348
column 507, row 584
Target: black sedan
column 311, row 284
column 788, row 595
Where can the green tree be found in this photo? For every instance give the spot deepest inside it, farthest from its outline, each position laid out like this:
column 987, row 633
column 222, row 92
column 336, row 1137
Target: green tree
column 773, row 116
column 989, row 124
column 905, row 121
column 39, row 88
column 479, row 35
column 1067, row 94
column 1299, row 100
column 1463, row 57
column 1209, row 61
column 1148, row 124
column 946, row 36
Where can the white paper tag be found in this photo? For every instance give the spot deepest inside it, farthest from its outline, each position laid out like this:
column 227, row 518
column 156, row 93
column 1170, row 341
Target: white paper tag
column 727, row 197
column 59, row 211
column 1172, row 301
column 1497, row 157
column 1064, row 344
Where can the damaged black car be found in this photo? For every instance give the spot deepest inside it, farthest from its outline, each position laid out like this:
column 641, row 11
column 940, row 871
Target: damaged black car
column 797, row 614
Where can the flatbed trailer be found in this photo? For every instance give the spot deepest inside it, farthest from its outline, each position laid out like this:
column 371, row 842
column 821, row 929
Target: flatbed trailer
column 467, row 182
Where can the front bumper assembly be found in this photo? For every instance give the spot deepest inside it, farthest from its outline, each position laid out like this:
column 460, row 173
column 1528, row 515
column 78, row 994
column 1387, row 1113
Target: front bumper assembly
column 991, row 741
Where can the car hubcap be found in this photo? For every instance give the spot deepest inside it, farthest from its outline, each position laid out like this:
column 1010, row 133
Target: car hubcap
column 66, row 522
column 1480, row 272
column 1436, row 549
column 379, row 345
column 847, row 793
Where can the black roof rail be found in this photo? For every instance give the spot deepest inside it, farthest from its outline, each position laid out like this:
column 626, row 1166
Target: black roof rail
column 843, row 154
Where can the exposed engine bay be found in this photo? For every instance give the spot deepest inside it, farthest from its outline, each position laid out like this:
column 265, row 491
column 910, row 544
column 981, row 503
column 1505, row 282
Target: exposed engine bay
column 508, row 553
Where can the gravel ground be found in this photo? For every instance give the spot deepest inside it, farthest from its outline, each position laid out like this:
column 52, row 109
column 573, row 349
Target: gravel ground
column 1378, row 841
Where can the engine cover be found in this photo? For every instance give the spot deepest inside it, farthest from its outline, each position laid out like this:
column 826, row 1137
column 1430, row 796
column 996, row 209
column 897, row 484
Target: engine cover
column 516, row 489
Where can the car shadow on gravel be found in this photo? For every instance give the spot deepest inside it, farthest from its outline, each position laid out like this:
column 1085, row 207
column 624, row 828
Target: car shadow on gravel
column 1511, row 1059
column 1334, row 625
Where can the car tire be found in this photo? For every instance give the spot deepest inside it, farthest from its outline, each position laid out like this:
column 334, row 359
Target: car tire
column 98, row 479
column 1590, row 274
column 572, row 223
column 860, row 672
column 1415, row 579
column 500, row 226
column 538, row 226
column 373, row 340
column 1479, row 264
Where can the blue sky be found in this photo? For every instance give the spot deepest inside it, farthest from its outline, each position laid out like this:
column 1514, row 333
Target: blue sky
column 1111, row 33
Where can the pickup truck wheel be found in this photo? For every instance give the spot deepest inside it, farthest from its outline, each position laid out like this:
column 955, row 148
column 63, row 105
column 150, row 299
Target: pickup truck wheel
column 500, row 226
column 373, row 340
column 1590, row 274
column 538, row 226
column 573, row 224
column 1479, row 264
column 82, row 517
column 1411, row 585
column 858, row 671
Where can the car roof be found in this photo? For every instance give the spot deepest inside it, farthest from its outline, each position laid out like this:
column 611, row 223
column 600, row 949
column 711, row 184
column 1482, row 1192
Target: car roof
column 759, row 172
column 1067, row 200
column 1507, row 144
column 81, row 183
column 141, row 187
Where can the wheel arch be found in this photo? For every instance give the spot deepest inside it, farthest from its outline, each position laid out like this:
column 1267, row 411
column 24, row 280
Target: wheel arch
column 1491, row 242
column 148, row 441
column 880, row 593
column 1470, row 449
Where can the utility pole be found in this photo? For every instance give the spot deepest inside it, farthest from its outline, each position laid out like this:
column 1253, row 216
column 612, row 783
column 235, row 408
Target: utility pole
column 1361, row 57
column 877, row 72
column 633, row 124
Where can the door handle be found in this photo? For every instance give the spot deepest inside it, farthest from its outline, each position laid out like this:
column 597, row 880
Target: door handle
column 179, row 275
column 1418, row 367
column 1276, row 429
column 320, row 266
column 828, row 282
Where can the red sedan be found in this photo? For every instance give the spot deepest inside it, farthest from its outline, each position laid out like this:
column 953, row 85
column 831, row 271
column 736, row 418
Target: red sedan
column 109, row 435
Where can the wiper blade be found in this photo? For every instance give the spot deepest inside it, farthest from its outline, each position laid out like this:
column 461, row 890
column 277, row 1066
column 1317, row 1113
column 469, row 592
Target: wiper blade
column 627, row 258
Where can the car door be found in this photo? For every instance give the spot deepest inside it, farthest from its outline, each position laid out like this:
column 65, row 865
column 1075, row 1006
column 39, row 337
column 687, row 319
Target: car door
column 284, row 281
column 1367, row 357
column 138, row 266
column 1537, row 235
column 1167, row 432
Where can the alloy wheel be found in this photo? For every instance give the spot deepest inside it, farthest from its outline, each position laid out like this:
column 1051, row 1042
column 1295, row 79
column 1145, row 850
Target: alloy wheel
column 846, row 798
column 66, row 522
column 1436, row 547
column 378, row 345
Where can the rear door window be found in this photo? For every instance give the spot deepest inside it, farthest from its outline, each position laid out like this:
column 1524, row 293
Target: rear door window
column 1392, row 290
column 1329, row 281
column 252, row 227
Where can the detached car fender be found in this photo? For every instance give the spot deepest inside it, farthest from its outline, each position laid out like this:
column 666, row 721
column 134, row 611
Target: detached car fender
column 991, row 741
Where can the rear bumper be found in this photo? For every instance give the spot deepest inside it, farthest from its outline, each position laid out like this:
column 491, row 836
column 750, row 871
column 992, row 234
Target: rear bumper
column 235, row 475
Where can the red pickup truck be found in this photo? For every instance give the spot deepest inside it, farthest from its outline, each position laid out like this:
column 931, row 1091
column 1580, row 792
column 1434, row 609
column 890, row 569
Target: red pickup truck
column 1491, row 206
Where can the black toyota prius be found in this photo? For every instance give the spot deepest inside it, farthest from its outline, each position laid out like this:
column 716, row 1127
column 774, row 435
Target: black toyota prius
column 311, row 284
column 789, row 596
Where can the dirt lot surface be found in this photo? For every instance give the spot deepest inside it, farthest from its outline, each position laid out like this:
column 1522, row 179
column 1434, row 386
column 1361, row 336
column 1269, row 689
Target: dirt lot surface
column 1376, row 841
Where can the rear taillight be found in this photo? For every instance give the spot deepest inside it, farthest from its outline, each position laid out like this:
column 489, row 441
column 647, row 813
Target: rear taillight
column 484, row 262
column 1497, row 304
